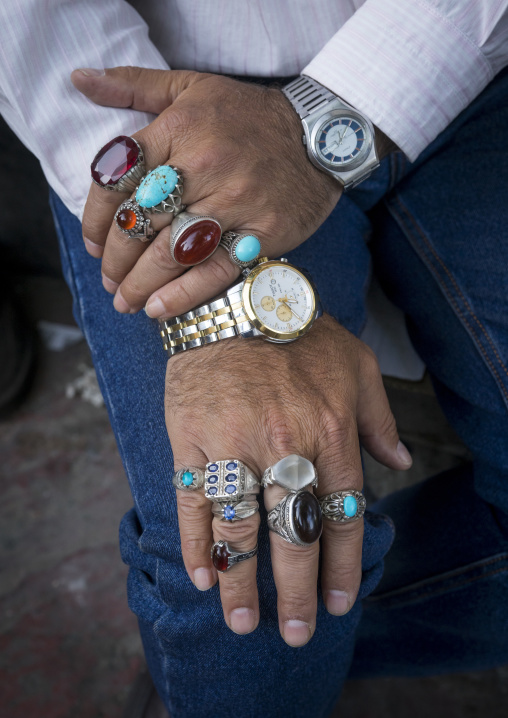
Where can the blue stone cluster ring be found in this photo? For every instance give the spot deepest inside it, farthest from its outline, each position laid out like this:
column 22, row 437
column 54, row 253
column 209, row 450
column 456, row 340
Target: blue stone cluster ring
column 243, row 249
column 230, row 480
column 231, row 511
column 343, row 506
column 189, row 479
column 161, row 191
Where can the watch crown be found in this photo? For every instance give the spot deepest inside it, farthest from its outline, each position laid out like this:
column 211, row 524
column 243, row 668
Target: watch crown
column 304, row 140
column 283, row 259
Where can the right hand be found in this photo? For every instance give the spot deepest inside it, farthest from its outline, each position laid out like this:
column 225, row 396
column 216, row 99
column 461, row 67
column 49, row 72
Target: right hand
column 258, row 402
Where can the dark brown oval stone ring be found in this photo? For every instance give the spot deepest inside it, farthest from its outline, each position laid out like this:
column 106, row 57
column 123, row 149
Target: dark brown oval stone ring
column 297, row 518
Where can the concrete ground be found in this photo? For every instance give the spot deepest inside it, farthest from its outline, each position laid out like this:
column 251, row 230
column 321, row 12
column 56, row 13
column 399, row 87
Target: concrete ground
column 69, row 646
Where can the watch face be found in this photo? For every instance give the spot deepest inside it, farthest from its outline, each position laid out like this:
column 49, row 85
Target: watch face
column 280, row 300
column 341, row 141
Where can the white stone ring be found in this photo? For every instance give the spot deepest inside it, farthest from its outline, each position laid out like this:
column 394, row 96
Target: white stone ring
column 293, row 473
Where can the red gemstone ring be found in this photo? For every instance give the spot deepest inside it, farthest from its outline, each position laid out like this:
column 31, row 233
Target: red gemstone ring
column 130, row 220
column 194, row 238
column 224, row 557
column 119, row 165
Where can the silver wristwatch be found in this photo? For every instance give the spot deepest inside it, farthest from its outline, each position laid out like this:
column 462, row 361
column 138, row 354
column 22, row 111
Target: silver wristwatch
column 274, row 300
column 339, row 139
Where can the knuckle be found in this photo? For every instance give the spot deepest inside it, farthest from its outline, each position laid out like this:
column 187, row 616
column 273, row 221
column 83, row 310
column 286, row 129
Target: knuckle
column 244, row 534
column 281, row 433
column 195, row 546
column 162, row 255
column 192, row 505
column 209, row 158
column 240, row 190
column 181, row 299
column 222, row 271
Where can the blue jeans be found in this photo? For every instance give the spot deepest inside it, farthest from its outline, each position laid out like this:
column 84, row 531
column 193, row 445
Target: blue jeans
column 435, row 234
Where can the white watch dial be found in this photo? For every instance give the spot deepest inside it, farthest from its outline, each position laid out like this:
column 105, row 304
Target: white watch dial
column 282, row 298
column 340, row 141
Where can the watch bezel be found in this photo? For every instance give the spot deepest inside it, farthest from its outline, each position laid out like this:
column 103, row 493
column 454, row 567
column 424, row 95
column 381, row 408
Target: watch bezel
column 331, row 115
column 249, row 309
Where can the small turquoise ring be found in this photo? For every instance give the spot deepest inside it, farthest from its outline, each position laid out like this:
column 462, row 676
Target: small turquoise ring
column 243, row 249
column 343, row 506
column 189, row 479
column 161, row 191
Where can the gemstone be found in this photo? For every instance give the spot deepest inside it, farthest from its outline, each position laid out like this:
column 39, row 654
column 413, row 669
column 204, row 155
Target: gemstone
column 156, row 186
column 212, row 467
column 231, row 466
column 293, row 472
column 229, row 512
column 350, row 506
column 231, row 477
column 126, row 219
column 114, row 160
column 197, row 242
column 307, row 517
column 230, row 489
column 220, row 556
column 247, row 248
column 212, row 490
column 187, row 478
column 212, row 479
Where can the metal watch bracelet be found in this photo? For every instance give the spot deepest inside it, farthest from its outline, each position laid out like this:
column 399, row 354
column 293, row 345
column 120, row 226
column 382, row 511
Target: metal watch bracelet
column 306, row 95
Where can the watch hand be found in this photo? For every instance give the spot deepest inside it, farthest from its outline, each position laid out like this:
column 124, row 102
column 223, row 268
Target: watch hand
column 287, row 299
column 343, row 136
column 293, row 311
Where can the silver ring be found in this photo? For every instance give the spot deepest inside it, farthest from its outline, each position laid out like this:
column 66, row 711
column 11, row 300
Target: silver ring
column 230, row 511
column 297, row 518
column 134, row 223
column 106, row 167
column 161, row 191
column 193, row 238
column 243, row 249
column 229, row 480
column 343, row 506
column 189, row 479
column 224, row 557
column 293, row 473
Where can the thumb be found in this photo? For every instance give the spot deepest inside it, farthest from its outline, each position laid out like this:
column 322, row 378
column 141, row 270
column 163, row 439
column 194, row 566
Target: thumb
column 135, row 87
column 376, row 424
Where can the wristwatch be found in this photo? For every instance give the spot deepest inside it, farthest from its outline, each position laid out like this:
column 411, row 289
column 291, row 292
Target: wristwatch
column 339, row 139
column 274, row 300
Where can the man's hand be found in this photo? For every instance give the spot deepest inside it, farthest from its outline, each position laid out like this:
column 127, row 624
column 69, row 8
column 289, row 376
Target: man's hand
column 314, row 397
column 239, row 146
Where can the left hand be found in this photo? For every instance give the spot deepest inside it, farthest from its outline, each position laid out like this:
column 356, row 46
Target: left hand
column 239, row 146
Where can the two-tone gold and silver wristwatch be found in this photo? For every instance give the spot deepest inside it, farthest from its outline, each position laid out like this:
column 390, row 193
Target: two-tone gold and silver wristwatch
column 275, row 300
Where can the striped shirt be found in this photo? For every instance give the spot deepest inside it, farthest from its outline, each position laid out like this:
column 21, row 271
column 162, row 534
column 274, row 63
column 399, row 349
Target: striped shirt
column 409, row 65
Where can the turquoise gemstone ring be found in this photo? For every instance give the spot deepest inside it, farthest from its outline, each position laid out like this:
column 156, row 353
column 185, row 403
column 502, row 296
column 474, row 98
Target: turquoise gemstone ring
column 161, row 191
column 343, row 506
column 243, row 249
column 189, row 479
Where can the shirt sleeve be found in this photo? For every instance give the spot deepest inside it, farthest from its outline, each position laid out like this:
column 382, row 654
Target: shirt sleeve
column 413, row 65
column 41, row 43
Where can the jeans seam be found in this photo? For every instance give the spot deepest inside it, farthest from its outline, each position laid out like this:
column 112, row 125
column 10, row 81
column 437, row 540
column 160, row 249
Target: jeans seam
column 452, row 300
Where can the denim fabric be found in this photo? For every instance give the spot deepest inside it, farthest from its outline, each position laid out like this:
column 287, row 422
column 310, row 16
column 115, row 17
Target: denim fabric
column 435, row 234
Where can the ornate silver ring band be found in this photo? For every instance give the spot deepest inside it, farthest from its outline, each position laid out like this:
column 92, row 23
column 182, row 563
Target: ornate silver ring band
column 224, row 557
column 343, row 506
column 130, row 220
column 161, row 191
column 189, row 479
column 243, row 249
column 119, row 166
column 229, row 480
column 230, row 511
column 193, row 238
column 293, row 473
column 297, row 518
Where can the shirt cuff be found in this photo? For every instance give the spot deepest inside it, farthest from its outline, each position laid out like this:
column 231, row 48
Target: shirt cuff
column 406, row 66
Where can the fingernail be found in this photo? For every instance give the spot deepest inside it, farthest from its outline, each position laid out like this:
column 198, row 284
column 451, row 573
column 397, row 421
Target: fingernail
column 94, row 249
column 120, row 304
column 203, row 579
column 155, row 308
column 296, row 633
column 242, row 620
column 91, row 71
column 337, row 602
column 109, row 285
column 404, row 454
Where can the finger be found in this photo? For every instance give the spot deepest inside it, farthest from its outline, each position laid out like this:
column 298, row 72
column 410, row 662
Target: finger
column 238, row 588
column 135, row 87
column 376, row 423
column 339, row 468
column 295, row 571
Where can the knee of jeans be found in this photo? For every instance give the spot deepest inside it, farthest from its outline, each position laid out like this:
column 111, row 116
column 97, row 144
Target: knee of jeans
column 379, row 534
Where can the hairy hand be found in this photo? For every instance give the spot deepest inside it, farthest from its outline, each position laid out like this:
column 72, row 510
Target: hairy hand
column 315, row 397
column 239, row 146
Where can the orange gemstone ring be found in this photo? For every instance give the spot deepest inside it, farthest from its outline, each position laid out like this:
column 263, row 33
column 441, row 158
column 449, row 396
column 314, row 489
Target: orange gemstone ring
column 194, row 238
column 130, row 220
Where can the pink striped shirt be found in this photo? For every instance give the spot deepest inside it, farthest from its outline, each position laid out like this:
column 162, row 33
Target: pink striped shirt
column 410, row 65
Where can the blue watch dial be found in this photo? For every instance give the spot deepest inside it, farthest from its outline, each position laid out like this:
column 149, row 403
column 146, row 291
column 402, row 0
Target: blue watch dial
column 340, row 141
